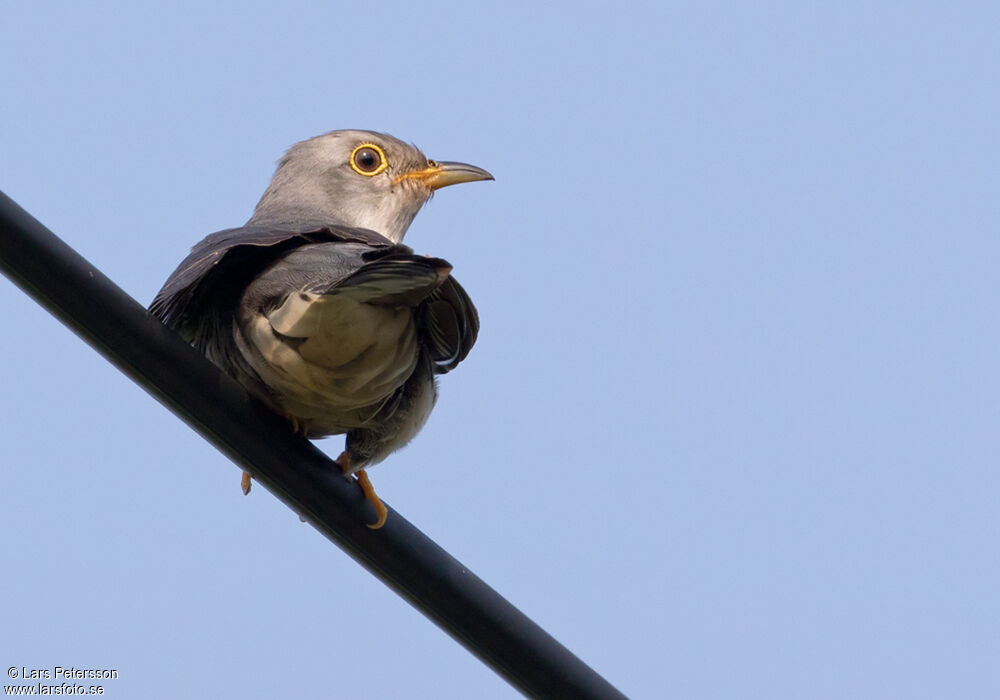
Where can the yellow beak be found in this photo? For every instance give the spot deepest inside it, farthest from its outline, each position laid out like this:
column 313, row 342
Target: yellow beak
column 440, row 174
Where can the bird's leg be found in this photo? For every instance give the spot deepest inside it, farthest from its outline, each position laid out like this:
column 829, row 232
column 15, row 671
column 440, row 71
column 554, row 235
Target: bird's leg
column 344, row 460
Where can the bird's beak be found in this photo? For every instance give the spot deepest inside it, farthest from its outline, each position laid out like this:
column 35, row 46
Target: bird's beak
column 440, row 174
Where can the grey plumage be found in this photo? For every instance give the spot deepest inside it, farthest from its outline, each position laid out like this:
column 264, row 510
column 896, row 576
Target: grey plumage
column 317, row 308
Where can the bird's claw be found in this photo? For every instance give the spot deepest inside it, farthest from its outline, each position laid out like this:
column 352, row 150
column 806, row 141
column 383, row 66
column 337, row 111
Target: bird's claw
column 369, row 491
column 365, row 484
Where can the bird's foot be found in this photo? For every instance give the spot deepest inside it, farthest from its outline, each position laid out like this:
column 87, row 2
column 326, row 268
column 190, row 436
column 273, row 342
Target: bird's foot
column 381, row 512
column 245, row 483
column 369, row 491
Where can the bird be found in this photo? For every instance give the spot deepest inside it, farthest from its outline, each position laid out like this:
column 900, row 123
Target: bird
column 317, row 307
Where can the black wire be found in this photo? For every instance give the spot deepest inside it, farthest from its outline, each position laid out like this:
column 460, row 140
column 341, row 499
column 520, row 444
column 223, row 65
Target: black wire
column 405, row 559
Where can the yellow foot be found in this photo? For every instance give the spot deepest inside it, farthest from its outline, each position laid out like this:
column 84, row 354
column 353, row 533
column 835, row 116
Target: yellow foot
column 366, row 488
column 381, row 512
column 245, row 483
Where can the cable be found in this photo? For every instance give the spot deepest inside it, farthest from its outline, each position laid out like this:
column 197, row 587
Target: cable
column 289, row 466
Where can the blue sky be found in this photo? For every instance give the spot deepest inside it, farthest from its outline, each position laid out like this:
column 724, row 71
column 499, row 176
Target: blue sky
column 730, row 427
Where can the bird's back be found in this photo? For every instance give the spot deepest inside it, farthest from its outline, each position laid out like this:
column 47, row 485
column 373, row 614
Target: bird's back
column 325, row 324
column 334, row 336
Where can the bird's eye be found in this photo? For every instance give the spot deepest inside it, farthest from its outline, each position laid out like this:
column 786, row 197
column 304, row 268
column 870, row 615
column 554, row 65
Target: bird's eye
column 368, row 159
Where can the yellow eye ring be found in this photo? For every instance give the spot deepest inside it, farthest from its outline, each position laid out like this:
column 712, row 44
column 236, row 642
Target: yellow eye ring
column 368, row 159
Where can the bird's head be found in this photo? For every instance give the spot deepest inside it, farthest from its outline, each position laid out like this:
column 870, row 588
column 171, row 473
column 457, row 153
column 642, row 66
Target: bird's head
column 357, row 178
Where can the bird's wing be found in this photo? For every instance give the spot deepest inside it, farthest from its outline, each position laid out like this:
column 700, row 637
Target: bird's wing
column 330, row 330
column 449, row 325
column 316, row 289
column 199, row 300
column 213, row 276
column 304, row 288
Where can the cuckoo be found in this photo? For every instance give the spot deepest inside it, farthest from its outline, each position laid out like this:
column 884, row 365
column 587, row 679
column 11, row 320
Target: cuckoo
column 318, row 309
